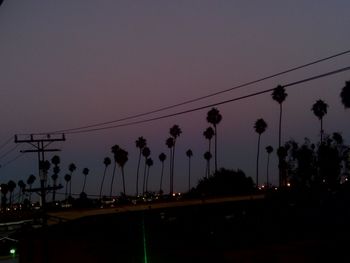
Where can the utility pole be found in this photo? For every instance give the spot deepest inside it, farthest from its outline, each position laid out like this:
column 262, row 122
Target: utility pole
column 40, row 144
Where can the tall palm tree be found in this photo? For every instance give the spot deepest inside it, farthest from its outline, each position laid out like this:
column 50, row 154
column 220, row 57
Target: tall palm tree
column 122, row 158
column 107, row 161
column 214, row 117
column 67, row 178
column 189, row 154
column 320, row 110
column 345, row 95
column 22, row 187
column 260, row 127
column 55, row 160
column 31, row 179
column 208, row 134
column 140, row 143
column 175, row 132
column 162, row 158
column 279, row 95
column 71, row 168
column 11, row 187
column 269, row 150
column 149, row 163
column 115, row 148
column 170, row 143
column 4, row 190
column 207, row 156
column 85, row 173
column 146, row 152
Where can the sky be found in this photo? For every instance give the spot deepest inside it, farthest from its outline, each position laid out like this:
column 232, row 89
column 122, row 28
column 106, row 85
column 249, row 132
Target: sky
column 66, row 64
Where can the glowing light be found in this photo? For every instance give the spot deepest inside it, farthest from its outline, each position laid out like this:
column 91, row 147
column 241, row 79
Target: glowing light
column 288, row 184
column 12, row 251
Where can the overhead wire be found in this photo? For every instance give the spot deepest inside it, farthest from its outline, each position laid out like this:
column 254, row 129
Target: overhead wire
column 202, row 97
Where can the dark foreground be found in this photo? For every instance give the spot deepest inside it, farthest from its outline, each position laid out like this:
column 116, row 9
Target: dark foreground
column 285, row 227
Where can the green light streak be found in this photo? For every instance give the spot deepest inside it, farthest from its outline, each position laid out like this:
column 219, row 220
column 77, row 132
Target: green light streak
column 145, row 258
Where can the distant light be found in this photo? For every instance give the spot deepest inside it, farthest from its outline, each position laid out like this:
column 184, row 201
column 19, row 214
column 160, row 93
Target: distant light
column 263, row 186
column 276, row 188
column 12, row 251
column 288, row 184
column 174, row 194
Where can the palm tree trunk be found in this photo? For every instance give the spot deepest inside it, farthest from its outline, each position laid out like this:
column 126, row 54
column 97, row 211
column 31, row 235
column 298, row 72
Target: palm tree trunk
column 137, row 174
column 208, row 165
column 144, row 178
column 147, row 178
column 216, row 152
column 122, row 168
column 267, row 170
column 170, row 170
column 70, row 184
column 321, row 130
column 189, row 174
column 111, row 188
column 66, row 190
column 173, row 168
column 161, row 178
column 103, row 179
column 279, row 146
column 84, row 184
column 54, row 191
column 257, row 163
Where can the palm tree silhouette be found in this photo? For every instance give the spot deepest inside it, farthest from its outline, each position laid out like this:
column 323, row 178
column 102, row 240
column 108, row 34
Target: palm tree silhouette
column 170, row 143
column 67, row 178
column 162, row 158
column 55, row 160
column 260, row 127
column 22, row 187
column 207, row 156
column 208, row 134
column 115, row 148
column 214, row 117
column 85, row 173
column 31, row 179
column 345, row 95
column 11, row 187
column 175, row 132
column 122, row 158
column 4, row 190
column 107, row 161
column 269, row 150
column 71, row 168
column 320, row 110
column 189, row 154
column 279, row 95
column 140, row 143
column 146, row 152
column 149, row 163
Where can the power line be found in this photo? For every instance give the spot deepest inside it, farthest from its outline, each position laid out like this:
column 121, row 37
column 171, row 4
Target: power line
column 213, row 104
column 8, row 152
column 6, row 142
column 203, row 97
column 12, row 160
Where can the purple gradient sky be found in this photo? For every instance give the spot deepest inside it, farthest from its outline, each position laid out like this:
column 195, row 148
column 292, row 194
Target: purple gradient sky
column 71, row 63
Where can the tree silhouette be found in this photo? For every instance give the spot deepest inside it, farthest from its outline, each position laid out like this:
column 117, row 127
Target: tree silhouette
column 260, row 127
column 170, row 143
column 85, row 173
column 208, row 134
column 71, row 168
column 175, row 132
column 149, row 163
column 345, row 95
column 320, row 110
column 22, row 187
column 162, row 158
column 11, row 187
column 207, row 156
column 269, row 150
column 279, row 95
column 107, row 161
column 122, row 158
column 4, row 190
column 67, row 178
column 140, row 143
column 115, row 148
column 214, row 117
column 146, row 152
column 55, row 160
column 189, row 154
column 31, row 179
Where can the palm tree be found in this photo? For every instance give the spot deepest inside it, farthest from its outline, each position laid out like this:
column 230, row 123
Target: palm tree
column 320, row 110
column 149, row 163
column 11, row 187
column 260, row 127
column 85, row 173
column 71, row 168
column 67, row 178
column 279, row 95
column 31, row 179
column 114, row 150
column 208, row 134
column 140, row 143
column 189, row 154
column 4, row 190
column 22, row 187
column 170, row 143
column 175, row 132
column 107, row 161
column 345, row 95
column 214, row 117
column 162, row 158
column 269, row 150
column 122, row 158
column 146, row 152
column 207, row 157
column 55, row 160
